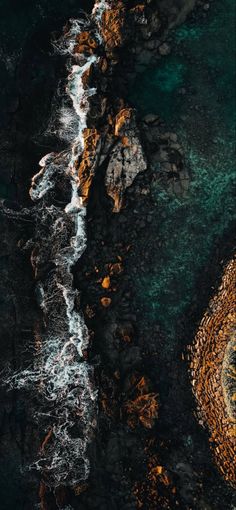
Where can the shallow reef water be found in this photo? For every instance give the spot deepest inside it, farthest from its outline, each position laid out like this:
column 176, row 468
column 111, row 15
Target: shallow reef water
column 192, row 90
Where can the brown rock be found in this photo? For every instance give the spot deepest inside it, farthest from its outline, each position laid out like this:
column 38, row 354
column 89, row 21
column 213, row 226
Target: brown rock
column 112, row 25
column 105, row 301
column 116, row 268
column 89, row 161
column 85, row 43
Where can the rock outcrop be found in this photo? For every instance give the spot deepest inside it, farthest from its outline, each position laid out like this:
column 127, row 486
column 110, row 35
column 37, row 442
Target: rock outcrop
column 118, row 147
column 126, row 159
column 114, row 134
column 87, row 167
column 213, row 372
column 112, row 27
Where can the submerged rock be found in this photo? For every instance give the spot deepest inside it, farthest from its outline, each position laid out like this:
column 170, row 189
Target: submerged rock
column 176, row 11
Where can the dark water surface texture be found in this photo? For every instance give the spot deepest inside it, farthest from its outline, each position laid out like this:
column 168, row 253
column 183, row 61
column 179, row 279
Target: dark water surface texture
column 29, row 74
column 29, row 67
column 193, row 91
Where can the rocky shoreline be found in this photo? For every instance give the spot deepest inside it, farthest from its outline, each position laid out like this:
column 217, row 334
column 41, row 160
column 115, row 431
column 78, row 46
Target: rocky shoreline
column 130, row 465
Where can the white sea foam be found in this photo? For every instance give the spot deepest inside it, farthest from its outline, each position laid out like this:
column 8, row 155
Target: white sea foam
column 61, row 374
column 99, row 8
column 43, row 181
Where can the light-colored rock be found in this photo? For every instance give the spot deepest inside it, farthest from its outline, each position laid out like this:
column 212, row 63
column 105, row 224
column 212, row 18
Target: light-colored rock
column 127, row 158
column 164, row 49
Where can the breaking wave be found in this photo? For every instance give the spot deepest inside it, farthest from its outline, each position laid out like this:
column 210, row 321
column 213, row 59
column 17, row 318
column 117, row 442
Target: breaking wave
column 60, row 376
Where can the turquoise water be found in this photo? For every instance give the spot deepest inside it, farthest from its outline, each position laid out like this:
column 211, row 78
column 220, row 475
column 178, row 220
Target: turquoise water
column 202, row 63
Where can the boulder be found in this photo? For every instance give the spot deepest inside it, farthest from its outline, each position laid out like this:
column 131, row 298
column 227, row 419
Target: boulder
column 87, row 167
column 85, row 43
column 127, row 158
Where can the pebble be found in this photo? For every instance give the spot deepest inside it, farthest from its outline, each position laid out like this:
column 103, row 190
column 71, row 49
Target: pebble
column 150, row 118
column 164, row 49
column 182, row 91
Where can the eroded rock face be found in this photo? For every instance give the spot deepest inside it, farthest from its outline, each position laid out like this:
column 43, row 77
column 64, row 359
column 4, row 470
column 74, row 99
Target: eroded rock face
column 127, row 158
column 87, row 167
column 112, row 26
column 114, row 135
column 86, row 43
column 213, row 372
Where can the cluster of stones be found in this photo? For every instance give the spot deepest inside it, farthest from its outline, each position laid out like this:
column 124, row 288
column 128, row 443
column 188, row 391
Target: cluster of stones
column 213, row 373
column 143, row 408
column 112, row 140
column 112, row 132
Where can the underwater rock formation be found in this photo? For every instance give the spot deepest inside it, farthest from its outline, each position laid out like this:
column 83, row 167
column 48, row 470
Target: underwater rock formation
column 176, row 12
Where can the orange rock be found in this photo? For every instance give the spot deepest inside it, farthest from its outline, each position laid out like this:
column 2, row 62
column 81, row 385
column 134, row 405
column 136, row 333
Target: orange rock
column 106, row 282
column 112, row 25
column 105, row 301
column 86, row 77
column 125, row 141
column 159, row 470
column 140, row 8
column 126, row 160
column 144, row 407
column 85, row 43
column 212, row 375
column 86, row 170
column 46, row 440
column 121, row 120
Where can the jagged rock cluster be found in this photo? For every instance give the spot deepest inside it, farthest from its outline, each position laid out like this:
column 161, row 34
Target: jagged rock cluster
column 113, row 132
column 127, row 355
column 113, row 138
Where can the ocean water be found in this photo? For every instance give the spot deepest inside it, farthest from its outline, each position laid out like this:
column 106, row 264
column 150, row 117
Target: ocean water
column 193, row 91
column 29, row 70
column 58, row 367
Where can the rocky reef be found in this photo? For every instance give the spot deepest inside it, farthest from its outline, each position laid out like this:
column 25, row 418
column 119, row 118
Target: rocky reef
column 113, row 129
column 213, row 372
column 99, row 427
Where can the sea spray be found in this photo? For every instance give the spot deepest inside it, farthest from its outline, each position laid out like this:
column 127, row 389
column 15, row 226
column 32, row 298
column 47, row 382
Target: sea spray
column 61, row 379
